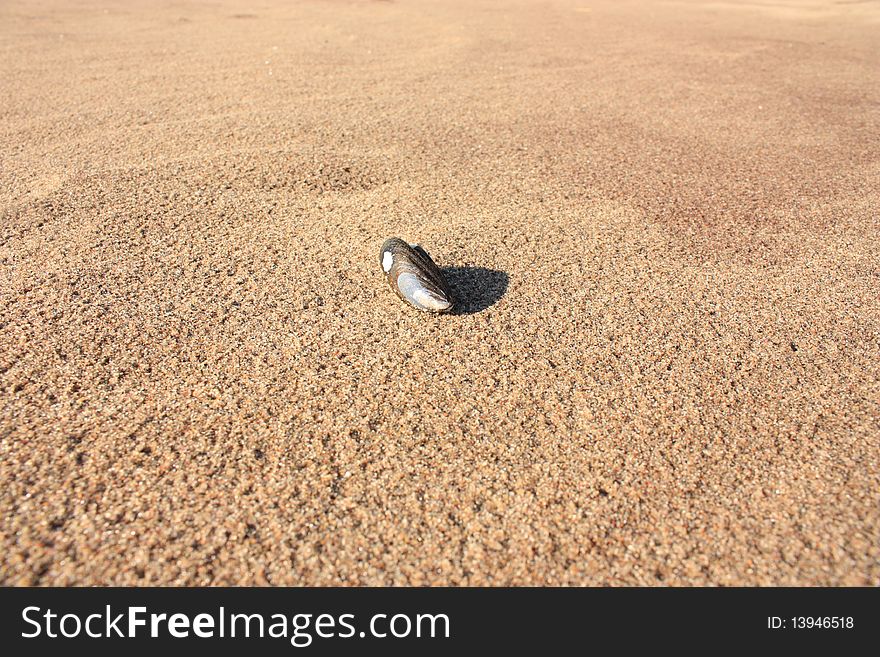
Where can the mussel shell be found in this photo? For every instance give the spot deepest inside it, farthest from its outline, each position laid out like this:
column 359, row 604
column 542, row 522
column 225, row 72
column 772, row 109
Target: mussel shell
column 415, row 278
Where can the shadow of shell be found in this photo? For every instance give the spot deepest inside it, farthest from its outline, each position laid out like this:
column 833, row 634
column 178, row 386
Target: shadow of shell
column 475, row 288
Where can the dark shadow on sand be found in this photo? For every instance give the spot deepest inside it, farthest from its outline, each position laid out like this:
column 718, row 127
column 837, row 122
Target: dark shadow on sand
column 475, row 288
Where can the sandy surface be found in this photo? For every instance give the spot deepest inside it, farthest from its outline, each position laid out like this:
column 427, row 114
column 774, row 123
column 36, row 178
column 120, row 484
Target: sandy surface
column 663, row 219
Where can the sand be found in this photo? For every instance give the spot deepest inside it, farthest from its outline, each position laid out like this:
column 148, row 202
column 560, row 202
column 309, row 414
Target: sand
column 661, row 220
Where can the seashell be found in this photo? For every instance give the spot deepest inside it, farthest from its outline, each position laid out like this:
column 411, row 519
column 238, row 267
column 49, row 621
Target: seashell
column 414, row 277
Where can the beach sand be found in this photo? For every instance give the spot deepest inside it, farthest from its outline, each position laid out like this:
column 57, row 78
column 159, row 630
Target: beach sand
column 661, row 220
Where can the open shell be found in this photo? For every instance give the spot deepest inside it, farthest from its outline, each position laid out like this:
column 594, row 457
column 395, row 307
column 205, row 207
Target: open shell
column 414, row 276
